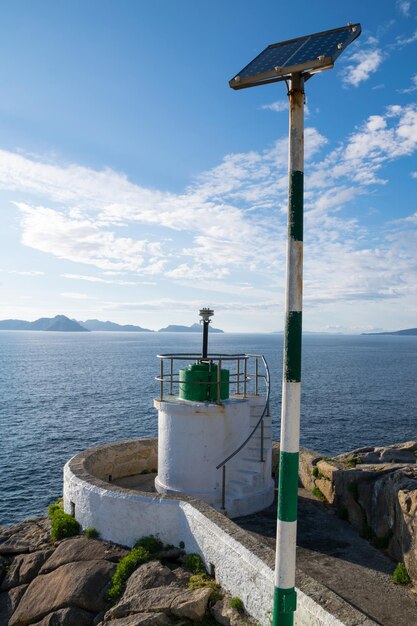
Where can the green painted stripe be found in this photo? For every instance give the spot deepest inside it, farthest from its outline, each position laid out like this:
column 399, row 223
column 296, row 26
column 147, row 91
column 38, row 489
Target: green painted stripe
column 295, row 205
column 288, row 486
column 285, row 603
column 292, row 357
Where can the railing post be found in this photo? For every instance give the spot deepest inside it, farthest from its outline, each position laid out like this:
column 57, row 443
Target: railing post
column 256, row 375
column 223, row 488
column 245, row 372
column 238, row 376
column 171, row 374
column 161, row 375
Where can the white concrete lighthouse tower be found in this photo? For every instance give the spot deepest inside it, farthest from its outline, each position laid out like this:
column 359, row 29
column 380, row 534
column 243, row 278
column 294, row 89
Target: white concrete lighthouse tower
column 214, row 444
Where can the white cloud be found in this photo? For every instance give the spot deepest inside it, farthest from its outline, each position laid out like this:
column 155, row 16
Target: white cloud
column 278, row 106
column 413, row 86
column 76, row 296
column 405, row 41
column 404, row 6
column 82, row 241
column 98, row 279
column 25, row 272
column 229, row 225
column 414, row 174
column 361, row 65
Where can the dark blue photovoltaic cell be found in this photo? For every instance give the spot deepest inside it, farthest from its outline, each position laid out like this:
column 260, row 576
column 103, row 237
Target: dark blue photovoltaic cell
column 300, row 51
column 320, row 45
column 269, row 58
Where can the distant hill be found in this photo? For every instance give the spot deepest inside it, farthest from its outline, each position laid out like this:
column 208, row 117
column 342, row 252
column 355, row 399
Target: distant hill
column 112, row 326
column 194, row 328
column 58, row 323
column 406, row 331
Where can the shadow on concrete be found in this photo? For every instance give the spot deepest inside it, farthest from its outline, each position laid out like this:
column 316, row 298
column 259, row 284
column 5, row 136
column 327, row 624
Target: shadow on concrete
column 332, row 552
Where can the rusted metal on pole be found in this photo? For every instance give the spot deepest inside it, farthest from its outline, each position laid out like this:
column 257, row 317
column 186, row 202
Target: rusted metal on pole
column 285, row 595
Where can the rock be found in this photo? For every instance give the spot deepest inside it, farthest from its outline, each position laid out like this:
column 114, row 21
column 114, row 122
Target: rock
column 82, row 549
column 327, row 468
column 393, row 455
column 67, row 617
column 308, row 458
column 275, row 458
column 8, row 603
column 82, row 585
column 147, row 576
column 224, row 614
column 24, row 568
column 191, row 604
column 10, row 546
column 188, row 603
column 327, row 488
column 182, row 576
column 142, row 619
column 27, row 536
column 3, row 568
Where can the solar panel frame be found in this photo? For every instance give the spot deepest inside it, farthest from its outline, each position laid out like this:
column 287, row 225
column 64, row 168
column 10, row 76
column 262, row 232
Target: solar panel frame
column 307, row 54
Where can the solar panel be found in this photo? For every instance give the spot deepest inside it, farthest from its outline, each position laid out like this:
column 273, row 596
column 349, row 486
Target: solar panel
column 309, row 54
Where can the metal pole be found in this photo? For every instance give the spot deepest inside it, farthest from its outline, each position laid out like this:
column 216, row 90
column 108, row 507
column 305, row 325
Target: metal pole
column 205, row 337
column 284, row 593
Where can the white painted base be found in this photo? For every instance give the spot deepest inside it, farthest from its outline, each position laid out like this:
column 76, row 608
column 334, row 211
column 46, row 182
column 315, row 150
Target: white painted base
column 195, row 437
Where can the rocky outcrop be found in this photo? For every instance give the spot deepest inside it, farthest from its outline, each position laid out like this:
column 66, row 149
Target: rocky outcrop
column 375, row 489
column 66, row 583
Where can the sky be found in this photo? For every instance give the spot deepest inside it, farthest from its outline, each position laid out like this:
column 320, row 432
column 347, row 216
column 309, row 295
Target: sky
column 137, row 187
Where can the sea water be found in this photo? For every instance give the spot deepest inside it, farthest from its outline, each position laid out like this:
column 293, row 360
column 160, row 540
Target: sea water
column 61, row 393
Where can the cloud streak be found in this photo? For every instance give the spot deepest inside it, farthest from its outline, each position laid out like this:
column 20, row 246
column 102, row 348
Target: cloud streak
column 229, row 225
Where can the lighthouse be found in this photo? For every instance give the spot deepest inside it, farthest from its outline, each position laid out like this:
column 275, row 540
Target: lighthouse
column 214, row 428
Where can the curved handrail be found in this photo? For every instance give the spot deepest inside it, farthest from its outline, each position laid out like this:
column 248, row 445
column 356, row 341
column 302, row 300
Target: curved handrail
column 268, row 391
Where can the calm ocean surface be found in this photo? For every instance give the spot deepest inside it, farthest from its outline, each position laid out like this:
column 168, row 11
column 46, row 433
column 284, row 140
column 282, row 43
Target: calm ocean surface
column 63, row 392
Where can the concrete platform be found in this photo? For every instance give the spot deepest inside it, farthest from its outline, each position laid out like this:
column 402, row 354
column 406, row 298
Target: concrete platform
column 330, row 551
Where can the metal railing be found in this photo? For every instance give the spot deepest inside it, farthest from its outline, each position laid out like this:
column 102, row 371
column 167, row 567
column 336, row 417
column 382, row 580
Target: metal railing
column 246, row 380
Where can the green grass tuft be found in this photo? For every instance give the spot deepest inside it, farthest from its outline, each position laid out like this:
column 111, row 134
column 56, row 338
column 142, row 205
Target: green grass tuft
column 151, row 543
column 194, row 563
column 400, row 575
column 237, row 604
column 91, row 533
column 317, row 493
column 315, row 472
column 124, row 569
column 63, row 525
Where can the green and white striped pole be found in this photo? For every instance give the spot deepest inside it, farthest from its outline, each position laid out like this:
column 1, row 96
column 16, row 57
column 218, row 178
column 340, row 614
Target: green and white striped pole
column 284, row 592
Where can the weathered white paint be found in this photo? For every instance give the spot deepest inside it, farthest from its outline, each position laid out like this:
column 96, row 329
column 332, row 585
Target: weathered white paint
column 295, row 293
column 291, row 400
column 195, row 437
column 287, row 535
column 123, row 516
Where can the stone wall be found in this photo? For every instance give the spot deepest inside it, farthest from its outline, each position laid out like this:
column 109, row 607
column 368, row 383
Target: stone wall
column 122, row 459
column 375, row 489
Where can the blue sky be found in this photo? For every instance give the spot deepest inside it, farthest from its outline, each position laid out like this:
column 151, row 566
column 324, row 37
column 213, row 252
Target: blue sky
column 136, row 186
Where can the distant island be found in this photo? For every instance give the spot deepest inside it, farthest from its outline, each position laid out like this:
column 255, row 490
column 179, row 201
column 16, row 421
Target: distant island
column 406, row 331
column 62, row 323
column 194, row 328
column 58, row 323
column 113, row 327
